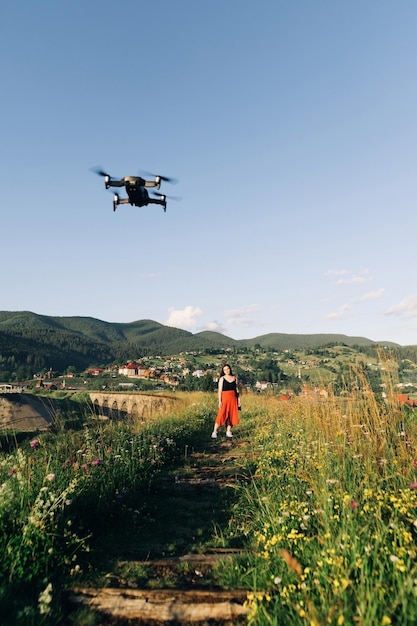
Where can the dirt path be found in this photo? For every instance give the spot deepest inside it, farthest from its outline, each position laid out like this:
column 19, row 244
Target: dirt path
column 21, row 412
column 165, row 570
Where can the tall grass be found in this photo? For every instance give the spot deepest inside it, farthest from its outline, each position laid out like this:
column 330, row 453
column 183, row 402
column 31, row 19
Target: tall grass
column 58, row 491
column 330, row 516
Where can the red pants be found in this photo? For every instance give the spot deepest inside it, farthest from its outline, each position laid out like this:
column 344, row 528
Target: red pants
column 228, row 411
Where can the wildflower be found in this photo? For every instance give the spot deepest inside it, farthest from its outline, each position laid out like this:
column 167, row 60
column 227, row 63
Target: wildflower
column 45, row 599
column 50, row 477
column 413, row 485
column 34, row 443
column 353, row 505
column 12, row 471
column 96, row 462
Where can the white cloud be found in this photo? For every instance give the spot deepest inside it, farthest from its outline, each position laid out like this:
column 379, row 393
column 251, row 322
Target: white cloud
column 342, row 313
column 345, row 310
column 348, row 277
column 351, row 280
column 372, row 295
column 241, row 316
column 185, row 318
column 216, row 327
column 337, row 272
column 406, row 308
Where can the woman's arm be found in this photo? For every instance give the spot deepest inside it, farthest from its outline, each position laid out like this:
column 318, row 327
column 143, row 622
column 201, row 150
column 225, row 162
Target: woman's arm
column 237, row 391
column 220, row 390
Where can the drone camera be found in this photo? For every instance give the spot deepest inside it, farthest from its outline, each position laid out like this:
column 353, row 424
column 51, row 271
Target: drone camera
column 158, row 182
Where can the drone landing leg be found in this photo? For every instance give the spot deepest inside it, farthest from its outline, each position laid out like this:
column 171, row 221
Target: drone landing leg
column 120, row 201
column 163, row 203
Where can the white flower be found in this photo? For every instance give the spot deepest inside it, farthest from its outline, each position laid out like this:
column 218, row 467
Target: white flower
column 45, row 599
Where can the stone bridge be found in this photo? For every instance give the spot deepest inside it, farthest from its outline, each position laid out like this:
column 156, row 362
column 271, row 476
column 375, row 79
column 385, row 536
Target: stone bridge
column 117, row 405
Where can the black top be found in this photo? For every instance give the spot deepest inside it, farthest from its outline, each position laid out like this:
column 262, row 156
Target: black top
column 227, row 386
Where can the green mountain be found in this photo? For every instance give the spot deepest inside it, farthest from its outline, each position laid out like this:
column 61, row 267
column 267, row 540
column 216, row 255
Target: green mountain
column 35, row 342
column 281, row 341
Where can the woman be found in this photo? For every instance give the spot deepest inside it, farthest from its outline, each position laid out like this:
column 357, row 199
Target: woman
column 229, row 402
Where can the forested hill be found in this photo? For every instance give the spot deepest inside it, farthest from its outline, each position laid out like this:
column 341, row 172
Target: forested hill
column 39, row 341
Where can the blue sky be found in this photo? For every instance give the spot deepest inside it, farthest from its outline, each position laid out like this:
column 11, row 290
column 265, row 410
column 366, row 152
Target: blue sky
column 290, row 125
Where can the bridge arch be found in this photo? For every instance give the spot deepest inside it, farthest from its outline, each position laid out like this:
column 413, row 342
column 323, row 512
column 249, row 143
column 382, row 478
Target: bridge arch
column 118, row 405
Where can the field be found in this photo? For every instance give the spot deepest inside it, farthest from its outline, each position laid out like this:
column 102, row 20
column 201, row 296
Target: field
column 325, row 521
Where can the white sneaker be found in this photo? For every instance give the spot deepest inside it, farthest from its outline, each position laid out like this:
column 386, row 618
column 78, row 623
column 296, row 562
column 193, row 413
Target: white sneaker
column 229, row 433
column 214, row 435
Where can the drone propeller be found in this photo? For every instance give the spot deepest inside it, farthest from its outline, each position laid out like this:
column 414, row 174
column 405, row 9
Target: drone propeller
column 99, row 171
column 173, row 181
column 163, row 195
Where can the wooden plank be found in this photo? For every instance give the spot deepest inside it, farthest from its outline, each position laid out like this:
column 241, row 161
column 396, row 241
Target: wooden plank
column 164, row 605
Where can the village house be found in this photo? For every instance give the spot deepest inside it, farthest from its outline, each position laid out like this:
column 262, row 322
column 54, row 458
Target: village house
column 404, row 399
column 133, row 371
column 261, row 385
column 96, row 371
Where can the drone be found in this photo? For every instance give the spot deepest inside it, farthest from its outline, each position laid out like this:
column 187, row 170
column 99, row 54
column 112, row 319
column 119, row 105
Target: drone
column 136, row 189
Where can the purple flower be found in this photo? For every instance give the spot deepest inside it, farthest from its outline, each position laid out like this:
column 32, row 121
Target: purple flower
column 413, row 485
column 96, row 462
column 34, row 443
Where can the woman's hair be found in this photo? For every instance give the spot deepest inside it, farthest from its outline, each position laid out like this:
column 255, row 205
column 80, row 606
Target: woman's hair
column 222, row 370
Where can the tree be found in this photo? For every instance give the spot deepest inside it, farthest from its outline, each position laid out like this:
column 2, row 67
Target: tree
column 207, row 383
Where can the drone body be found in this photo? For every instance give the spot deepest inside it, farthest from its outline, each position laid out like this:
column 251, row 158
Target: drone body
column 136, row 189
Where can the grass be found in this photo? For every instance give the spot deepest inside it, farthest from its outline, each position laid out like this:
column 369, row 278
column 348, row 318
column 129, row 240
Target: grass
column 63, row 495
column 328, row 520
column 331, row 514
